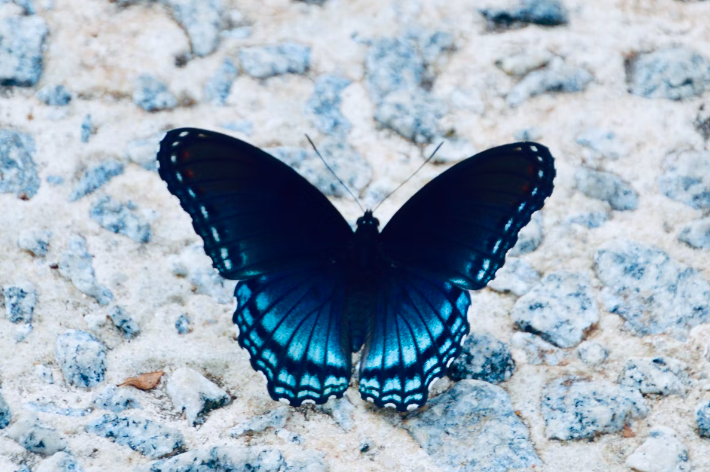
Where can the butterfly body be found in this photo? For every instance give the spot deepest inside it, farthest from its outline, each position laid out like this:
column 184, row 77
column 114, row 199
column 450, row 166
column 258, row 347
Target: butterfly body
column 311, row 291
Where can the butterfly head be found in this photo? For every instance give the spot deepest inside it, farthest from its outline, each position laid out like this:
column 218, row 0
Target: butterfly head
column 368, row 222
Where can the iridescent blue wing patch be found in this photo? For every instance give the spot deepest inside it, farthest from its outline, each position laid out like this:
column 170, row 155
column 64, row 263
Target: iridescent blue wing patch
column 290, row 324
column 415, row 334
column 460, row 225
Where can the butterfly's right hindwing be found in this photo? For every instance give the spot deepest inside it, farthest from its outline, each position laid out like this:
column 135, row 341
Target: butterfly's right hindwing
column 255, row 214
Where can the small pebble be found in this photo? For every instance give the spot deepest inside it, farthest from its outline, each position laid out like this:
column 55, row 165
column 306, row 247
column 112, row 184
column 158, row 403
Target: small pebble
column 414, row 114
column 35, row 241
column 23, row 40
column 34, row 436
column 87, row 129
column 193, row 394
column 657, row 375
column 483, row 358
column 52, row 408
column 591, row 353
column 116, row 399
column 556, row 77
column 18, row 171
column 341, row 410
column 539, row 12
column 229, row 458
column 262, row 62
column 142, row 151
column 217, row 88
column 601, row 143
column 529, row 238
column 44, row 373
column 607, row 187
column 561, row 309
column 20, row 302
column 289, row 436
column 151, row 439
column 274, row 419
column 81, row 357
column 685, row 177
column 59, row 462
column 202, row 20
column 22, row 331
column 663, row 451
column 696, row 234
column 5, row 415
column 516, row 276
column 123, row 321
column 182, row 325
column 524, row 62
column 54, row 95
column 702, row 418
column 324, row 105
column 96, row 177
column 76, row 265
column 120, row 219
column 151, row 94
column 673, row 73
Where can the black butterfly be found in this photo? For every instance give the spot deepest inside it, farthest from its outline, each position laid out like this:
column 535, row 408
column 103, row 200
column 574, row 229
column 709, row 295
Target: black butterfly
column 312, row 291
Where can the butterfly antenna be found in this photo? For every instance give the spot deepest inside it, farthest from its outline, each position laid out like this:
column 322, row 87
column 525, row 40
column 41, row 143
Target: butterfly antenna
column 336, row 175
column 409, row 178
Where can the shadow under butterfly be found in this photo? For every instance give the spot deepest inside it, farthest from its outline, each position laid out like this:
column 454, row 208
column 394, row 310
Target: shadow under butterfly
column 312, row 291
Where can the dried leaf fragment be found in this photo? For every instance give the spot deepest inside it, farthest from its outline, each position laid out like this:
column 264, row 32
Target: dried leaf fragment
column 144, row 381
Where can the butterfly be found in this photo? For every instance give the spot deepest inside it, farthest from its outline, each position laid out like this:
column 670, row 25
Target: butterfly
column 312, row 291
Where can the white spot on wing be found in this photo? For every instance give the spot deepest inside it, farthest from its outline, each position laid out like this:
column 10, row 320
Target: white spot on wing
column 191, row 193
column 203, row 210
column 533, row 148
column 178, row 176
column 433, row 381
column 183, row 134
column 448, row 363
column 173, row 158
column 370, row 399
column 215, row 234
column 312, row 402
column 390, row 405
column 413, row 406
column 285, row 400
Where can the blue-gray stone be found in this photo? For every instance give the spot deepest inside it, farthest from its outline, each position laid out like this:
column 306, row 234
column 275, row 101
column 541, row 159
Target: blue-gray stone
column 540, row 12
column 202, row 20
column 556, row 77
column 21, row 44
column 76, row 265
column 696, row 234
column 194, row 394
column 96, row 177
column 516, row 276
column 602, row 142
column 151, row 94
column 18, row 171
column 53, row 409
column 5, row 415
column 116, row 399
column 182, row 324
column 273, row 419
column 589, row 220
column 54, row 180
column 656, row 375
column 674, row 73
column 20, row 302
column 341, row 410
column 143, row 151
column 607, row 187
column 223, row 459
column 529, row 238
column 35, row 241
column 124, row 322
column 579, row 408
column 431, row 45
column 324, row 105
column 702, row 418
column 121, row 219
column 561, row 309
column 652, row 292
column 34, row 436
column 44, row 373
column 217, row 88
column 686, row 178
column 82, row 358
column 473, row 427
column 54, row 95
column 151, row 439
column 262, row 62
column 414, row 114
column 59, row 462
column 483, row 358
column 591, row 353
column 393, row 64
column 87, row 128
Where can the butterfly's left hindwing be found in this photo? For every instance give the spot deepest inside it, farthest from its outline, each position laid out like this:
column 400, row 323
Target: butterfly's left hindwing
column 290, row 323
column 416, row 332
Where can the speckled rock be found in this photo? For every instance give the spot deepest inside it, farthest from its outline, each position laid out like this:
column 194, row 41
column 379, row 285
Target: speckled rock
column 54, row 409
column 601, row 143
column 35, row 241
column 21, row 45
column 123, row 321
column 341, row 410
column 193, row 394
column 274, row 419
column 142, row 151
column 54, row 95
column 702, row 419
column 483, row 358
column 182, row 324
column 663, row 451
column 414, row 114
column 589, row 219
column 453, row 150
column 324, row 105
column 96, row 177
column 556, row 77
column 193, row 264
column 535, row 351
column 516, row 276
column 540, row 12
column 696, row 234
column 151, row 94
column 659, row 375
column 591, row 353
column 522, row 63
column 116, row 399
column 560, row 309
column 76, row 266
column 652, row 292
column 145, row 436
column 81, row 357
column 473, row 427
column 20, row 302
column 393, row 64
column 529, row 238
column 686, row 178
column 120, row 219
column 5, row 414
column 217, row 88
column 262, row 62
column 87, row 129
column 674, row 73
column 18, row 171
column 34, row 436
column 44, row 373
column 578, row 408
column 59, row 462
column 607, row 187
column 202, row 20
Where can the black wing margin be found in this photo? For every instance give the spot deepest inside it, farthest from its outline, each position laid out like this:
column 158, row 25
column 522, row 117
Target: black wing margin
column 460, row 225
column 255, row 214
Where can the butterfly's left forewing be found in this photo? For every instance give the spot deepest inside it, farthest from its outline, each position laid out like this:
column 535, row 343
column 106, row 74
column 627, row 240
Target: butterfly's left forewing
column 290, row 323
column 416, row 332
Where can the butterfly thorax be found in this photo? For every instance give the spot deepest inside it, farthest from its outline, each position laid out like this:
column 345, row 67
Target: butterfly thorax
column 365, row 251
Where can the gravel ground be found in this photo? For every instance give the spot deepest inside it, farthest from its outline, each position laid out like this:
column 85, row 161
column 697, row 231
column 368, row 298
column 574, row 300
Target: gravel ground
column 590, row 350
